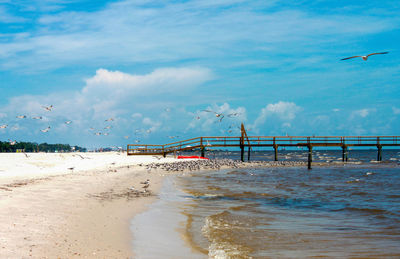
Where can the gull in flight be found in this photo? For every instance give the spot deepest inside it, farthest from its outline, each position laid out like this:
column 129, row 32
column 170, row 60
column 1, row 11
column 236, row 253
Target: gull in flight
column 46, row 129
column 37, row 117
column 12, row 143
column 21, row 116
column 68, row 122
column 366, row 56
column 110, row 119
column 218, row 115
column 3, row 126
column 97, row 133
column 108, row 127
column 233, row 114
column 48, row 108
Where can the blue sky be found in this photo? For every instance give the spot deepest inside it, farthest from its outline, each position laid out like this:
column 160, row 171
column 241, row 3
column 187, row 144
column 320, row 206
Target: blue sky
column 155, row 66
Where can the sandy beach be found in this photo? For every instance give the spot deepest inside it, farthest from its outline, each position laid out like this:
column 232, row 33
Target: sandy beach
column 72, row 205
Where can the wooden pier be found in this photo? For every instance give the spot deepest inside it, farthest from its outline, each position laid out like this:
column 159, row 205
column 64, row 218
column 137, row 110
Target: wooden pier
column 249, row 142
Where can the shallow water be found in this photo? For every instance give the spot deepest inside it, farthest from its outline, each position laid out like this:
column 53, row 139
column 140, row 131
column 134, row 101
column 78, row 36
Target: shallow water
column 157, row 232
column 294, row 212
column 338, row 211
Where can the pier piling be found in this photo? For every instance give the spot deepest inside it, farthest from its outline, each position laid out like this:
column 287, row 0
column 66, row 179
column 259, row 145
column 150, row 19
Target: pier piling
column 379, row 158
column 345, row 153
column 276, row 152
column 309, row 156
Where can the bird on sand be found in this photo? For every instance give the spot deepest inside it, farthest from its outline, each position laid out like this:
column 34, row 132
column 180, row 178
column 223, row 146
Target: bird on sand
column 366, row 56
column 45, row 130
column 48, row 108
column 145, row 182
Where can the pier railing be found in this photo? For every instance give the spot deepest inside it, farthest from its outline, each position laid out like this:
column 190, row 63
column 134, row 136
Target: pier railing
column 263, row 141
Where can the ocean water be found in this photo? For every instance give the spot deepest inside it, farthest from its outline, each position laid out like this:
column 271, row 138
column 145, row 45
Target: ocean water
column 337, row 211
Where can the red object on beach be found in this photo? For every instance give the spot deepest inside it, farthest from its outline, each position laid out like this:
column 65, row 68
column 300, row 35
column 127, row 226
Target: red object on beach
column 192, row 157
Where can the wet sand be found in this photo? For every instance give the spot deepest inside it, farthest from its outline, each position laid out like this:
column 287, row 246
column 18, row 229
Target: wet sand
column 53, row 213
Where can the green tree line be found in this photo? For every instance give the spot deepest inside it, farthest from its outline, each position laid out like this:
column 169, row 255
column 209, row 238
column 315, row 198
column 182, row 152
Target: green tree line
column 35, row 147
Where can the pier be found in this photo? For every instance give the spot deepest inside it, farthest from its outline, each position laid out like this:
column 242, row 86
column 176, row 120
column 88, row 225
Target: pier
column 248, row 142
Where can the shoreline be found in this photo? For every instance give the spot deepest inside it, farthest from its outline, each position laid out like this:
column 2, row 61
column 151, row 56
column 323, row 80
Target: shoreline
column 53, row 214
column 49, row 210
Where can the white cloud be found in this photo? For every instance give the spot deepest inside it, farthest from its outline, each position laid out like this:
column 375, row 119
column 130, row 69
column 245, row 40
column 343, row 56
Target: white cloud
column 285, row 111
column 363, row 113
column 174, row 31
column 125, row 97
column 396, row 110
column 208, row 121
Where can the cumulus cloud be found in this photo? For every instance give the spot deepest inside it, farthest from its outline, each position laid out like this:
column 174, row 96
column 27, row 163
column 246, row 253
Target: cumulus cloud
column 285, row 111
column 396, row 110
column 123, row 96
column 207, row 121
column 362, row 113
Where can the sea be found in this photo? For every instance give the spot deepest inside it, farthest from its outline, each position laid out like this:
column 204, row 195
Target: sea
column 338, row 210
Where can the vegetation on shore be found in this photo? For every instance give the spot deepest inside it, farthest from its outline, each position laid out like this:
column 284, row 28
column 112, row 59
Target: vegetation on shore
column 35, row 147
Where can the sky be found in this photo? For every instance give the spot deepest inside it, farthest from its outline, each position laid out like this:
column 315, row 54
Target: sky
column 156, row 67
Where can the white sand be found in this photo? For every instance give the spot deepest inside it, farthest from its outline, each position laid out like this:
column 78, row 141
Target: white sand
column 50, row 211
column 33, row 165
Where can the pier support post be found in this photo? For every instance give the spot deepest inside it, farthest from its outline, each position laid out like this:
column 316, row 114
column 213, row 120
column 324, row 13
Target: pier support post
column 276, row 152
column 345, row 153
column 379, row 158
column 203, row 151
column 309, row 156
column 248, row 154
column 242, row 153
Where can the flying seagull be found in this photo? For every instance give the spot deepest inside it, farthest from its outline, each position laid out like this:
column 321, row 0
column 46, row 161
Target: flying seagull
column 68, row 122
column 110, row 119
column 48, row 108
column 37, row 117
column 3, row 126
column 46, row 129
column 21, row 116
column 366, row 56
column 218, row 115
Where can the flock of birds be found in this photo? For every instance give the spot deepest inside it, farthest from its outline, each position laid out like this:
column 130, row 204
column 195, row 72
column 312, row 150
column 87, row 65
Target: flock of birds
column 220, row 116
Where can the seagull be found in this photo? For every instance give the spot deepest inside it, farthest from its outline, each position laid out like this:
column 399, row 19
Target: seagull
column 146, row 182
column 126, row 137
column 108, row 127
column 3, row 126
column 46, row 129
column 218, row 115
column 12, row 143
column 110, row 119
column 233, row 114
column 148, row 131
column 21, row 116
column 37, row 117
column 137, row 141
column 68, row 122
column 172, row 137
column 48, row 108
column 366, row 56
column 97, row 133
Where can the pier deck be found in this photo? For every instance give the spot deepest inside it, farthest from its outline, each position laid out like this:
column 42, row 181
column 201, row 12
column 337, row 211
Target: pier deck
column 244, row 141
